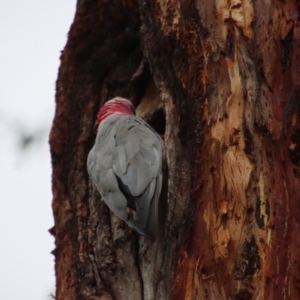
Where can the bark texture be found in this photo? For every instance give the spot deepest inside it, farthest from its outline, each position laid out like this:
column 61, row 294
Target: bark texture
column 221, row 80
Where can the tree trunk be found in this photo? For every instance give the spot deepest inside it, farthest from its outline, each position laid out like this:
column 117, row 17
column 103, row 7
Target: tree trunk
column 221, row 80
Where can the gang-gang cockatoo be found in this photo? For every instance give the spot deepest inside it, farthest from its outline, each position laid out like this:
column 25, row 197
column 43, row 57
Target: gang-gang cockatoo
column 125, row 164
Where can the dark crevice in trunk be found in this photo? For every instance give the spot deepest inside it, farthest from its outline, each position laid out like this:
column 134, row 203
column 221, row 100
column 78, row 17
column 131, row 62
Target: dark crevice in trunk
column 158, row 121
column 138, row 263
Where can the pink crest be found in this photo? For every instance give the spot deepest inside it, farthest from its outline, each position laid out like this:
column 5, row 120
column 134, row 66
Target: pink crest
column 114, row 106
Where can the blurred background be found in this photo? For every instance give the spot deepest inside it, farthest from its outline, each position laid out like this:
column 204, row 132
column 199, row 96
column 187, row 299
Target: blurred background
column 32, row 35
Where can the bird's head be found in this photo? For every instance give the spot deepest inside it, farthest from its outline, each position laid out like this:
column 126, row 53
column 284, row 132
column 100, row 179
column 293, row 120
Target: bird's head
column 118, row 105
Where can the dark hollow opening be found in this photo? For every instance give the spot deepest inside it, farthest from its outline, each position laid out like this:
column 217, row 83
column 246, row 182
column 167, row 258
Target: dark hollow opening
column 158, row 122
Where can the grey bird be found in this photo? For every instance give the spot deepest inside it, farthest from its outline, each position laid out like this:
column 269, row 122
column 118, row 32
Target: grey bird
column 125, row 164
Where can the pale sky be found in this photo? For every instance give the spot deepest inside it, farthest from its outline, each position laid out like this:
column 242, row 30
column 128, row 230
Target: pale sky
column 32, row 34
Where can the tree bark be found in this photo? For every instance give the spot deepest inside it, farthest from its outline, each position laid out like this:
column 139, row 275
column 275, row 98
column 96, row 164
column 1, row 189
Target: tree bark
column 221, row 80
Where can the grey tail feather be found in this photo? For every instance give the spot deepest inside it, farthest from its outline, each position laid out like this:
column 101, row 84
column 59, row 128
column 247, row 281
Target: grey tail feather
column 134, row 225
column 152, row 224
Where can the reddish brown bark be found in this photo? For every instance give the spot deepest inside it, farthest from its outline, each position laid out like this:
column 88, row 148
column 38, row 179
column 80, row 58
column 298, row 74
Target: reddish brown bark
column 227, row 75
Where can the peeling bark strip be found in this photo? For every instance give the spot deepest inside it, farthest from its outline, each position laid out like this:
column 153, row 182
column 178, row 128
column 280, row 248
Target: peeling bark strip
column 221, row 79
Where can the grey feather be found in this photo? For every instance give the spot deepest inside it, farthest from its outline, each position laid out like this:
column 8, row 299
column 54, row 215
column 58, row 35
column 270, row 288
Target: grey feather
column 108, row 181
column 125, row 163
column 119, row 164
column 152, row 224
column 143, row 205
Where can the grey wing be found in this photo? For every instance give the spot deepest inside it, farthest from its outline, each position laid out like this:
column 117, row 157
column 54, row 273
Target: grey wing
column 140, row 150
column 147, row 211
